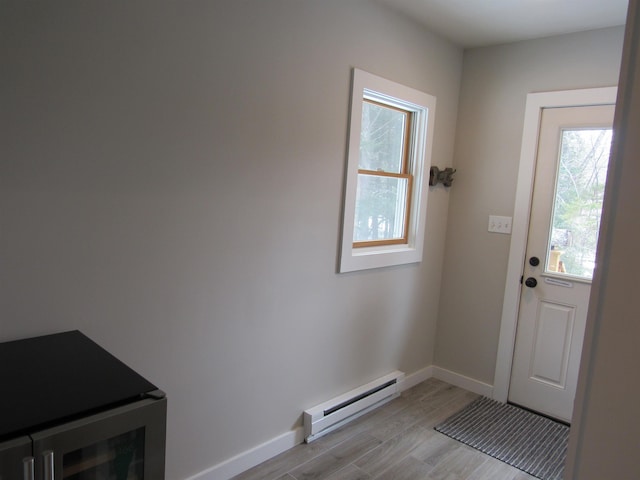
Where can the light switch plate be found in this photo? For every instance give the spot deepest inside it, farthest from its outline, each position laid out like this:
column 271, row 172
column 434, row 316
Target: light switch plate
column 499, row 224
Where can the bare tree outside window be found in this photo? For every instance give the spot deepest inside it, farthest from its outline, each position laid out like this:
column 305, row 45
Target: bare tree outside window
column 582, row 173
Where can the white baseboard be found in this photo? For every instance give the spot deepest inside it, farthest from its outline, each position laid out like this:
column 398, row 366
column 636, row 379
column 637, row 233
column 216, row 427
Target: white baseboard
column 415, row 378
column 246, row 460
column 255, row 456
column 461, row 381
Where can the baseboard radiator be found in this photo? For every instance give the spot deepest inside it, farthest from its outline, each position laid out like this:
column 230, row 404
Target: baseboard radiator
column 336, row 412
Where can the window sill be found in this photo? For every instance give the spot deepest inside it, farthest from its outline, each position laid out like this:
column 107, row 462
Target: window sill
column 378, row 257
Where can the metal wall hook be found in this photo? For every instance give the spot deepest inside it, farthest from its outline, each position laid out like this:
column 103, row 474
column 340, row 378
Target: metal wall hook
column 441, row 176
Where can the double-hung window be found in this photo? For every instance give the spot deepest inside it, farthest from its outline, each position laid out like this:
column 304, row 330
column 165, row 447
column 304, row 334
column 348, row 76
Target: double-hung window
column 384, row 176
column 389, row 154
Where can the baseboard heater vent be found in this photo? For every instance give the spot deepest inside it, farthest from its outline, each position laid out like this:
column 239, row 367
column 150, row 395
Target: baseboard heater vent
column 334, row 413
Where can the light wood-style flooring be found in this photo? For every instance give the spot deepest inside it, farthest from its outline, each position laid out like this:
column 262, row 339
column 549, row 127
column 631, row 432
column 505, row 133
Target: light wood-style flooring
column 394, row 442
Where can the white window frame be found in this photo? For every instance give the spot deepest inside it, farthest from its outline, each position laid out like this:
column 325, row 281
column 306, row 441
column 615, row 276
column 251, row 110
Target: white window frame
column 422, row 105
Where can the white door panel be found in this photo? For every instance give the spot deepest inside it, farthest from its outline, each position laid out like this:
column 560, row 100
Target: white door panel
column 552, row 340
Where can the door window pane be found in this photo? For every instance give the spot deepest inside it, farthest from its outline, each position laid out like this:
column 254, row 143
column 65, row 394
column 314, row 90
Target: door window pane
column 118, row 458
column 580, row 181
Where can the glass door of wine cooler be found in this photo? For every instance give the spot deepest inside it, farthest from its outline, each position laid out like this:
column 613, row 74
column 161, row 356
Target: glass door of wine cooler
column 125, row 443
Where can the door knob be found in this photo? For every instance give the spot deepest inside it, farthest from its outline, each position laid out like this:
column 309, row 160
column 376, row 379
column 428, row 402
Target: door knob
column 534, row 261
column 531, row 282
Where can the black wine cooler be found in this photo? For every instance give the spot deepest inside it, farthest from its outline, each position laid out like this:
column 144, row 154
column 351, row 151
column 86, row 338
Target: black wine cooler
column 69, row 410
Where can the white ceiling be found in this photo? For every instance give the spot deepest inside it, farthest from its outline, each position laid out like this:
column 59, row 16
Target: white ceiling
column 475, row 23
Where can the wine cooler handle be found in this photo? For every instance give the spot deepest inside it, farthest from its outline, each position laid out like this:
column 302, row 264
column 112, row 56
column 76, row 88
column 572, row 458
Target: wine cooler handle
column 28, row 468
column 48, row 465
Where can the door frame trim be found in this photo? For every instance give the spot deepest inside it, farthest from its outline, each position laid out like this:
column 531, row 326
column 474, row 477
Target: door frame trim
column 522, row 207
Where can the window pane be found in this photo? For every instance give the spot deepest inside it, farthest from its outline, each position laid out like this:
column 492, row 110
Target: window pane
column 382, row 138
column 380, row 208
column 582, row 172
column 120, row 457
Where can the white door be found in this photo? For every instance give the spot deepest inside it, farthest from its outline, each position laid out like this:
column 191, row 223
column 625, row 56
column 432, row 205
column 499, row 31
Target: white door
column 571, row 166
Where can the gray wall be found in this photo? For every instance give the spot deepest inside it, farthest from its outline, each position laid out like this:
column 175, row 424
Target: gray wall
column 605, row 432
column 171, row 180
column 495, row 84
